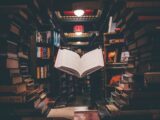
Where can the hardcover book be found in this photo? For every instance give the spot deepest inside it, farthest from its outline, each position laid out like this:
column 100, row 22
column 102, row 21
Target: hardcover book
column 71, row 63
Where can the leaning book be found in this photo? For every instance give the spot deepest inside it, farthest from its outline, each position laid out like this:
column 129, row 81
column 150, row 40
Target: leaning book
column 80, row 66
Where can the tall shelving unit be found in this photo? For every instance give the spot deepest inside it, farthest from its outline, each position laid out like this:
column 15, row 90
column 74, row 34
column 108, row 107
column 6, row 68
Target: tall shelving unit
column 113, row 45
column 44, row 58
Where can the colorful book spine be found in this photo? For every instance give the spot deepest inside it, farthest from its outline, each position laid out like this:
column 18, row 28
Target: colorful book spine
column 38, row 73
column 43, row 52
column 42, row 72
column 48, row 53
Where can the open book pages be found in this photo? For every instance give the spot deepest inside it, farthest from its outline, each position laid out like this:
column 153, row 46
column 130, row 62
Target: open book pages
column 71, row 63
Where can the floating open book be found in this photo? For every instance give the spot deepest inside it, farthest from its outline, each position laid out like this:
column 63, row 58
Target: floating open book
column 71, row 63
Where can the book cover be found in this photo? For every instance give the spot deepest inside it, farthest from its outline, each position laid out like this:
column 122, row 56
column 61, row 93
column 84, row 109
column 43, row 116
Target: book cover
column 71, row 63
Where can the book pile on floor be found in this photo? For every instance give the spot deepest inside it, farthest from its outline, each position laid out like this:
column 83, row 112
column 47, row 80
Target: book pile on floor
column 19, row 94
column 131, row 100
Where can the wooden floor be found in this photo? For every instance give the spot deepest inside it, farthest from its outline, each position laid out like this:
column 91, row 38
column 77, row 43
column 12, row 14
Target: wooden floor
column 75, row 110
column 86, row 115
column 73, row 113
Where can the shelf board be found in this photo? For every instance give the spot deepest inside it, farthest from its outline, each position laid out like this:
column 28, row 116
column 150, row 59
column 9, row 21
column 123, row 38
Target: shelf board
column 43, row 44
column 111, row 33
column 41, row 59
column 42, row 80
column 117, row 63
column 125, row 67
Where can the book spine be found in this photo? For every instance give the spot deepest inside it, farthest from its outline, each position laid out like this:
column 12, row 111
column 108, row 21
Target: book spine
column 16, row 80
column 41, row 52
column 44, row 53
column 42, row 74
column 12, row 63
column 8, row 89
column 12, row 99
column 15, row 29
column 38, row 52
column 38, row 73
column 13, row 88
column 49, row 52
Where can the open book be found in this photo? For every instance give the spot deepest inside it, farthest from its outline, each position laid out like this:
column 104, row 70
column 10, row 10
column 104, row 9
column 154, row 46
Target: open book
column 71, row 63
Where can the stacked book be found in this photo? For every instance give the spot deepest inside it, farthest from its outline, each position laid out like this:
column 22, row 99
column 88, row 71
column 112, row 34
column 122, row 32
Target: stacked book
column 12, row 88
column 17, row 90
column 129, row 97
column 23, row 54
column 139, row 21
column 119, row 97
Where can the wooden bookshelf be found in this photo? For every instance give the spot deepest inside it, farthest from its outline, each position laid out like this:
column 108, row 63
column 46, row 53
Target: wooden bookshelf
column 18, row 27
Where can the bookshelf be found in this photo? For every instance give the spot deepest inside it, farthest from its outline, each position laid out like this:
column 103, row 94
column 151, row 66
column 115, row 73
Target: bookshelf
column 44, row 48
column 138, row 21
column 20, row 95
column 114, row 45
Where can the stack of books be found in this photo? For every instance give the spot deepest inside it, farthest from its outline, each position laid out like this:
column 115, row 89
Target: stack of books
column 44, row 47
column 139, row 21
column 12, row 88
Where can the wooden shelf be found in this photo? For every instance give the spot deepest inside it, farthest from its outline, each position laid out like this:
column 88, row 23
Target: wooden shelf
column 111, row 33
column 117, row 63
column 120, row 67
column 43, row 44
column 44, row 59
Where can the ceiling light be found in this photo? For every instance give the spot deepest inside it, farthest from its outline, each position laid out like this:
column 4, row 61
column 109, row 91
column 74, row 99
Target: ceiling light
column 79, row 12
column 78, row 42
column 78, row 33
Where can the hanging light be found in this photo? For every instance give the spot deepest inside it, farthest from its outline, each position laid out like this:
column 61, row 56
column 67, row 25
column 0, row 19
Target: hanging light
column 79, row 12
column 78, row 29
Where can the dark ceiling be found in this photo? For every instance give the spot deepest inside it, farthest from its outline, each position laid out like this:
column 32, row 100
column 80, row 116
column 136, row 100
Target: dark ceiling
column 42, row 15
column 76, row 4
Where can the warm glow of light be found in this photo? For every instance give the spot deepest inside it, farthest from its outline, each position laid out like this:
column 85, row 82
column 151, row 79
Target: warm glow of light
column 78, row 42
column 79, row 12
column 78, row 33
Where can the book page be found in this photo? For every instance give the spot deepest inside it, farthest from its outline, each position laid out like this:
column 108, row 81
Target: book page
column 68, row 59
column 59, row 61
column 92, row 60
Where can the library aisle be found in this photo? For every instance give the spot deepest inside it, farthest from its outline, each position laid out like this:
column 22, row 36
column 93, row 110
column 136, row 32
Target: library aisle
column 79, row 59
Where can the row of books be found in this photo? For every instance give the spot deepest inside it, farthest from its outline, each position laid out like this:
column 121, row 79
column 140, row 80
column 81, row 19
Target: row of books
column 44, row 37
column 42, row 72
column 43, row 52
column 139, row 21
column 129, row 95
column 57, row 38
column 12, row 86
column 18, row 91
column 119, row 97
column 22, row 92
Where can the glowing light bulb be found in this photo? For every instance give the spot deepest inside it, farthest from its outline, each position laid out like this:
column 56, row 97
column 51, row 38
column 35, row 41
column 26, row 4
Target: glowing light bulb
column 79, row 12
